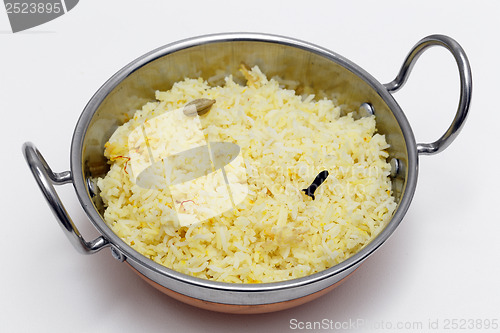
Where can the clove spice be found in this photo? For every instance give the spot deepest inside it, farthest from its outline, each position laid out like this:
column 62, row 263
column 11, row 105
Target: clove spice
column 320, row 178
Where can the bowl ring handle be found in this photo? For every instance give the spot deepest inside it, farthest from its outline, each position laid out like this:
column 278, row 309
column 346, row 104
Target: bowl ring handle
column 465, row 87
column 46, row 180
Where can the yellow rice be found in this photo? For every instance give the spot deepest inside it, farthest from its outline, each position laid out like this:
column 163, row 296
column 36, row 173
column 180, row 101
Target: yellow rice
column 276, row 232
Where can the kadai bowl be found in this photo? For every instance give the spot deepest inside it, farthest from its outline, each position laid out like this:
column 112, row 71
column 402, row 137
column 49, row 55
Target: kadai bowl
column 244, row 172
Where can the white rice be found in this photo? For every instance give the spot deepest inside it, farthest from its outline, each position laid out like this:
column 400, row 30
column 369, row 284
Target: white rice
column 275, row 232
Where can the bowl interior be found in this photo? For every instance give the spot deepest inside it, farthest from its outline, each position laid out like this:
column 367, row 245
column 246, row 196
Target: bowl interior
column 317, row 70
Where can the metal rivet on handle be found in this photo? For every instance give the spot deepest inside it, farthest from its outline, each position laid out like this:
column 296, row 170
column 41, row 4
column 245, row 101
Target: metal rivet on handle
column 117, row 254
column 396, row 167
column 91, row 185
column 366, row 110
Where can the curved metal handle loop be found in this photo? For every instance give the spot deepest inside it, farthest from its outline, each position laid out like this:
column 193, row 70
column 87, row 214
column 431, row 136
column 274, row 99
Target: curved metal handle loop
column 46, row 180
column 465, row 87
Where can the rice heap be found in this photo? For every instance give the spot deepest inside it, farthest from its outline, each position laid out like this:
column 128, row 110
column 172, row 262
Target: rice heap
column 275, row 231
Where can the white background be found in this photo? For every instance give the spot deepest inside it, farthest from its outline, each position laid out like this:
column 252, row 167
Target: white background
column 441, row 263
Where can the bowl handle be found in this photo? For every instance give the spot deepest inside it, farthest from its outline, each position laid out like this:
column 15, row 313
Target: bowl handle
column 465, row 87
column 46, row 180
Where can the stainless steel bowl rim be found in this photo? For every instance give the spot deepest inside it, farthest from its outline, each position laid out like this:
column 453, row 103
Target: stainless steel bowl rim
column 131, row 255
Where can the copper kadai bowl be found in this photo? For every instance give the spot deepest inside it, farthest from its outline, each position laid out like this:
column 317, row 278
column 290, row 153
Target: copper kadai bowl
column 291, row 59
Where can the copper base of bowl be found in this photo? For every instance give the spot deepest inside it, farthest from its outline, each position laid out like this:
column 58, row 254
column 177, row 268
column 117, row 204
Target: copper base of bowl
column 240, row 309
